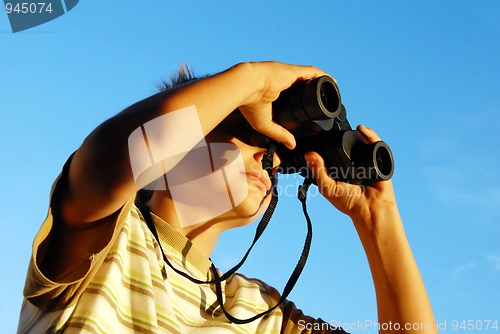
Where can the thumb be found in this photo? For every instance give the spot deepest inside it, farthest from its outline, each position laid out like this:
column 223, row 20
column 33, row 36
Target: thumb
column 327, row 186
column 261, row 120
column 342, row 195
column 278, row 133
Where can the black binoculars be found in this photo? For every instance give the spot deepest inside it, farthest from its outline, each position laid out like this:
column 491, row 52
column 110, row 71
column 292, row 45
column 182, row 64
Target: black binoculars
column 313, row 112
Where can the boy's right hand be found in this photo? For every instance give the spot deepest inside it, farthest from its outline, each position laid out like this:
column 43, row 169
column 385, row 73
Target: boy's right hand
column 276, row 77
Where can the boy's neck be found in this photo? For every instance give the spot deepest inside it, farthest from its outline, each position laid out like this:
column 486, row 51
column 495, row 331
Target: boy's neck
column 204, row 236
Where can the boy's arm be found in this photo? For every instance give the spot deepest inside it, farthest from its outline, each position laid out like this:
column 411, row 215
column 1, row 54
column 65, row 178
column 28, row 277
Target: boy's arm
column 100, row 177
column 401, row 295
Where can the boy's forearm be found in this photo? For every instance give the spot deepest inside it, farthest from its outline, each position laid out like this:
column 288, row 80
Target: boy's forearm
column 101, row 168
column 217, row 96
column 213, row 97
column 401, row 294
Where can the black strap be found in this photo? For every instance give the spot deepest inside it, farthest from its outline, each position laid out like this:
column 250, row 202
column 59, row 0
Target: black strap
column 267, row 165
column 267, row 160
column 293, row 278
column 258, row 232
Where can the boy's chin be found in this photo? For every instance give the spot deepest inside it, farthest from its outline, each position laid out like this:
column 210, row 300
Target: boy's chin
column 252, row 208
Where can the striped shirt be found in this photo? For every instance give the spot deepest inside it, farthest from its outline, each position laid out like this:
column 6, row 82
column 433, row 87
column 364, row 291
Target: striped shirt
column 129, row 289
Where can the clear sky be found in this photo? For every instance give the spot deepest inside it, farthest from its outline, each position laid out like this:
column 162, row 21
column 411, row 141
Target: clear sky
column 424, row 74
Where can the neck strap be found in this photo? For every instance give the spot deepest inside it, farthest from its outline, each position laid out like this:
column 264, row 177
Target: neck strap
column 266, row 165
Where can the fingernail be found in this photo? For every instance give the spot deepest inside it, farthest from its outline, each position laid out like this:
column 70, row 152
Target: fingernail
column 311, row 159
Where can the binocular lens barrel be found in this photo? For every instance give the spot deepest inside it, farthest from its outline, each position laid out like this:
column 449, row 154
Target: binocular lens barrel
column 329, row 97
column 312, row 111
column 374, row 159
column 384, row 162
column 299, row 107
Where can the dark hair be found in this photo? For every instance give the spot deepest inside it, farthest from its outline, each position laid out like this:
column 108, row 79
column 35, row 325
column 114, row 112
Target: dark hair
column 183, row 76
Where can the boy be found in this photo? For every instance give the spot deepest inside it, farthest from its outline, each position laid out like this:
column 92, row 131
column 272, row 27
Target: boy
column 98, row 267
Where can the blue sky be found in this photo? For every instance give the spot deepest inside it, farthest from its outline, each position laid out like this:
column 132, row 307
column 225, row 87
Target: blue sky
column 424, row 74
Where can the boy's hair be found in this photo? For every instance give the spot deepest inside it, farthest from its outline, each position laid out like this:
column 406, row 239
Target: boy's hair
column 183, row 75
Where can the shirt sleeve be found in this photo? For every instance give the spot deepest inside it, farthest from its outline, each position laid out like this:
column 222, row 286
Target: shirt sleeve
column 295, row 321
column 50, row 295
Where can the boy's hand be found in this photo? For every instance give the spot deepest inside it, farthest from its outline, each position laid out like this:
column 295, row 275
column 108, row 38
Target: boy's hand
column 275, row 77
column 357, row 201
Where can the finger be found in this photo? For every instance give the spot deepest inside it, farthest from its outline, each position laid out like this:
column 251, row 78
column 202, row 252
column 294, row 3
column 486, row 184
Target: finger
column 315, row 74
column 340, row 194
column 279, row 134
column 368, row 133
column 310, row 72
column 266, row 126
column 326, row 184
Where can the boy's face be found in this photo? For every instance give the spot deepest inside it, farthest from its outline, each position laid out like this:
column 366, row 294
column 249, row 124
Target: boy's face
column 221, row 179
column 253, row 183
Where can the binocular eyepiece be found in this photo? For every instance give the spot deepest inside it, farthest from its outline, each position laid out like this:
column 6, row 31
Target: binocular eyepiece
column 313, row 112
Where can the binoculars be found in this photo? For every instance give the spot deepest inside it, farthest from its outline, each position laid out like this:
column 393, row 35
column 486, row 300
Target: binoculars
column 313, row 112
